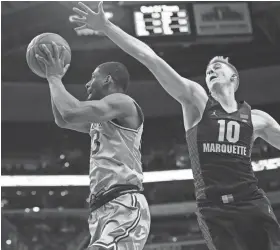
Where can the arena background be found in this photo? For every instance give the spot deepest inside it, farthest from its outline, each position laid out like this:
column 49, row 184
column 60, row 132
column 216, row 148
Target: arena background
column 44, row 168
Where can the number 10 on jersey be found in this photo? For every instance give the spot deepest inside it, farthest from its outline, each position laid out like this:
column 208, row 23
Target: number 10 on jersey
column 230, row 130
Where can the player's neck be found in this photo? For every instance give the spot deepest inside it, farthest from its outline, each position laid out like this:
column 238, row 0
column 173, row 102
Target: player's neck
column 226, row 98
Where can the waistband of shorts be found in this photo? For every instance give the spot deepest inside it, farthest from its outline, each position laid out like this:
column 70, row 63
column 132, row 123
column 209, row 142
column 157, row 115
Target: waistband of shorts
column 250, row 194
column 97, row 201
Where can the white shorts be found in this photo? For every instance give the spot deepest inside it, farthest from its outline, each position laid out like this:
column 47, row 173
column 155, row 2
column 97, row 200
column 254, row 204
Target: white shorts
column 121, row 224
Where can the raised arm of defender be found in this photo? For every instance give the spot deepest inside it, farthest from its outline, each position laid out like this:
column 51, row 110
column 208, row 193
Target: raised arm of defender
column 266, row 128
column 188, row 93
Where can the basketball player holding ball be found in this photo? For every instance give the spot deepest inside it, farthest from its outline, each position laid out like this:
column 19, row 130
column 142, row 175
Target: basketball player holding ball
column 119, row 213
column 233, row 213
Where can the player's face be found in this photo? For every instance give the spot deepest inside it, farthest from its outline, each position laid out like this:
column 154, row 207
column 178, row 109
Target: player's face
column 94, row 86
column 218, row 75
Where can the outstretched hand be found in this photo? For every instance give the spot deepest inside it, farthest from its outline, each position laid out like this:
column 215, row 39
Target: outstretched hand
column 54, row 63
column 90, row 19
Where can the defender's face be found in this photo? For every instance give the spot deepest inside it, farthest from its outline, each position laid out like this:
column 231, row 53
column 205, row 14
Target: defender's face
column 218, row 74
column 94, row 86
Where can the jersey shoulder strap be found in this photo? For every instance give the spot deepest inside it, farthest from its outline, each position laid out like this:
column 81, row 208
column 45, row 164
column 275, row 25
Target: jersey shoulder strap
column 139, row 112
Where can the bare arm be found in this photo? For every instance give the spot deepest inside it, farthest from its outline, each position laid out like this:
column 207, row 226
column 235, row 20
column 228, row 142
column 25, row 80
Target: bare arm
column 266, row 128
column 86, row 112
column 80, row 127
column 57, row 116
column 62, row 99
column 178, row 87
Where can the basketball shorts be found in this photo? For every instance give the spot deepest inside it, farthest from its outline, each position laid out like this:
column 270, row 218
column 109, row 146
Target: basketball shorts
column 243, row 225
column 121, row 224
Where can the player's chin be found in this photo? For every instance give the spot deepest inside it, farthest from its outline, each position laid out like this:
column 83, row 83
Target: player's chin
column 215, row 86
column 210, row 85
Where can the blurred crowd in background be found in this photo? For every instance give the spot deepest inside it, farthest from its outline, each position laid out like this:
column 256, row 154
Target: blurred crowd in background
column 56, row 217
column 52, row 150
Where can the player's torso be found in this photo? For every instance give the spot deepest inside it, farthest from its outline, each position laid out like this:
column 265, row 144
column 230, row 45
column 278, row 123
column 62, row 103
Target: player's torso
column 115, row 157
column 220, row 150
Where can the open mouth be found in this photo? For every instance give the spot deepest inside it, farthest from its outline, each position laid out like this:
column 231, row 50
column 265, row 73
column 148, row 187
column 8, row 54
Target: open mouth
column 212, row 77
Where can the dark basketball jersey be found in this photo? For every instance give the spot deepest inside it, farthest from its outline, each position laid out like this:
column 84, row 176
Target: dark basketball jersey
column 220, row 148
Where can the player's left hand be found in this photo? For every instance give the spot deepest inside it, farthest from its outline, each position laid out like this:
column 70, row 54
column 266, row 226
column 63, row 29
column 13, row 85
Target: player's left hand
column 90, row 19
column 54, row 63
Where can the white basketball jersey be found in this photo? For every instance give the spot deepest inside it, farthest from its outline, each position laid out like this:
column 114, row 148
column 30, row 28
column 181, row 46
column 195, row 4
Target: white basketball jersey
column 115, row 157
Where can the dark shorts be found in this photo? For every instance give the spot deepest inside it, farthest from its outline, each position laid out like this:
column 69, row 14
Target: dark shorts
column 243, row 225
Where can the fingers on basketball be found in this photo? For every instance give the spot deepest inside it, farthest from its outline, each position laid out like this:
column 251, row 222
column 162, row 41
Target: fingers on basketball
column 42, row 59
column 55, row 51
column 47, row 52
column 66, row 68
column 63, row 54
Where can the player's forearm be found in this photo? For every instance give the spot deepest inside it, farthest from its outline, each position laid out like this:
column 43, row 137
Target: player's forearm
column 131, row 45
column 63, row 100
column 57, row 116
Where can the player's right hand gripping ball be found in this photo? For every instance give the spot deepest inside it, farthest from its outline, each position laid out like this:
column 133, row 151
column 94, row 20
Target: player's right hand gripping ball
column 33, row 48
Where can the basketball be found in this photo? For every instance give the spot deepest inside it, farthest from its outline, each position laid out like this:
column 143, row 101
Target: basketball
column 33, row 48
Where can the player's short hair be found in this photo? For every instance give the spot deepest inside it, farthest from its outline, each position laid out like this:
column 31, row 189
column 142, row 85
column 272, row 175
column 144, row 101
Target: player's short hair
column 225, row 60
column 118, row 72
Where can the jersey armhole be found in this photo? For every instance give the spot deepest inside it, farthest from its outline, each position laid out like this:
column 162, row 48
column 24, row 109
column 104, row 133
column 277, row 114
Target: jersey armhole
column 207, row 107
column 140, row 113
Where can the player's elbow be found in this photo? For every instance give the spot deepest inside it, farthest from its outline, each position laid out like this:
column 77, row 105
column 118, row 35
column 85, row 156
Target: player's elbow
column 61, row 124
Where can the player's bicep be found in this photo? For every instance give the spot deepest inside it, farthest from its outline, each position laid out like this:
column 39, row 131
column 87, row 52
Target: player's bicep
column 109, row 108
column 178, row 87
column 266, row 127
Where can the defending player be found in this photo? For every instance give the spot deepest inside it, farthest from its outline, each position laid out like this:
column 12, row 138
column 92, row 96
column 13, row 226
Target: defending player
column 233, row 213
column 119, row 217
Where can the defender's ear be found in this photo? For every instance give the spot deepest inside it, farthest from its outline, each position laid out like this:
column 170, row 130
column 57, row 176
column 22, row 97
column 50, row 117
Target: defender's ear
column 108, row 79
column 233, row 77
